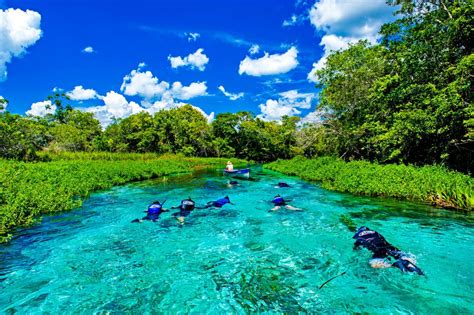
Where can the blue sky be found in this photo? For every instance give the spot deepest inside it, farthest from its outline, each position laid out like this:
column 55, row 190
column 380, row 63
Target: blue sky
column 115, row 58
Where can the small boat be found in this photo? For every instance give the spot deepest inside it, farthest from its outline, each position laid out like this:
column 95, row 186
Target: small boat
column 245, row 173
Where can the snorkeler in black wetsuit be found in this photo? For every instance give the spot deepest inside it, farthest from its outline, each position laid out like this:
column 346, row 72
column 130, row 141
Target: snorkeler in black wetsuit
column 153, row 212
column 383, row 251
column 185, row 209
column 282, row 185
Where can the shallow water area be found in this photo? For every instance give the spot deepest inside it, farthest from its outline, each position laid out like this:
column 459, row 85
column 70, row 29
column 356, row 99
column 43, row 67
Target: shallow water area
column 239, row 259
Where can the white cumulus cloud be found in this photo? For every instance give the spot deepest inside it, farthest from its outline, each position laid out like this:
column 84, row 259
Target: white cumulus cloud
column 276, row 109
column 195, row 89
column 288, row 103
column 345, row 22
column 155, row 95
column 41, row 109
column 88, row 50
column 115, row 106
column 81, row 94
column 270, row 64
column 196, row 60
column 231, row 96
column 143, row 84
column 18, row 30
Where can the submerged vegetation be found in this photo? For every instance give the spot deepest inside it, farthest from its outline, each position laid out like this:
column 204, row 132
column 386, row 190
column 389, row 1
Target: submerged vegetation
column 28, row 190
column 433, row 184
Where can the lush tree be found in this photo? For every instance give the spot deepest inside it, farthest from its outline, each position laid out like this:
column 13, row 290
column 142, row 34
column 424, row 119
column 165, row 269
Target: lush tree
column 20, row 137
column 408, row 99
column 75, row 131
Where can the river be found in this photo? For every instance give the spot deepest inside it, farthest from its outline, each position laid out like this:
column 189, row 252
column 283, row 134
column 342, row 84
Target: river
column 239, row 259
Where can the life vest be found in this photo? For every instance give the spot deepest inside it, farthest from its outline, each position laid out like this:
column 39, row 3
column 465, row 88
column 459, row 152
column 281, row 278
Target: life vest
column 155, row 209
column 278, row 201
column 220, row 202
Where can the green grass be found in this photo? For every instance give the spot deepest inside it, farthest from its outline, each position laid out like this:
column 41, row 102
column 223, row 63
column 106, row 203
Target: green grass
column 28, row 190
column 433, row 184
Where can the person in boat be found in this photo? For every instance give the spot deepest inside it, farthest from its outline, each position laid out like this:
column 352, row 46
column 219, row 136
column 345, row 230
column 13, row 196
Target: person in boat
column 153, row 212
column 185, row 209
column 279, row 202
column 383, row 251
column 282, row 185
column 219, row 203
column 229, row 167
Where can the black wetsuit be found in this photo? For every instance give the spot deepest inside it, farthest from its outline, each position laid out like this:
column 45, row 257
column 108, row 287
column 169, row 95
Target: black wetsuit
column 380, row 248
column 374, row 242
column 185, row 208
column 282, row 184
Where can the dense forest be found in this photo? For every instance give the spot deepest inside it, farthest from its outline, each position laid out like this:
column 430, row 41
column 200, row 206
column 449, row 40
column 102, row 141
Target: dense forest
column 407, row 99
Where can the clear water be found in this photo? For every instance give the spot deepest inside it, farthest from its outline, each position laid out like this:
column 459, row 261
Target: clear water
column 239, row 259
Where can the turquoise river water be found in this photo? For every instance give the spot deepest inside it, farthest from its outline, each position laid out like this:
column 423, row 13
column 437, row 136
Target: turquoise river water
column 239, row 259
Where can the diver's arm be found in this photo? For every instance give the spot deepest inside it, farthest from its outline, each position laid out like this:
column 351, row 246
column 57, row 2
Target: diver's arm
column 357, row 244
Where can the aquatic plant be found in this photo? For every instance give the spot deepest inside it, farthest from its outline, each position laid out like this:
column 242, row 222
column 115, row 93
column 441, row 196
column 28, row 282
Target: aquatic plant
column 262, row 289
column 433, row 184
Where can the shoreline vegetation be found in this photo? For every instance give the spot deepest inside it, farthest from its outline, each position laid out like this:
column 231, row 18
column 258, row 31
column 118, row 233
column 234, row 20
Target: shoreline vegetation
column 435, row 185
column 29, row 190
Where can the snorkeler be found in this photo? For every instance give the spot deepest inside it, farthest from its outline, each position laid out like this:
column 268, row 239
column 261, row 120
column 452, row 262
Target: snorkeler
column 279, row 202
column 185, row 209
column 282, row 185
column 383, row 251
column 219, row 203
column 153, row 212
column 232, row 183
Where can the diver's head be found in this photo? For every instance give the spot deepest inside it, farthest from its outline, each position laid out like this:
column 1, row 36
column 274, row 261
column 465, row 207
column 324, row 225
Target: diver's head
column 361, row 229
column 156, row 202
column 233, row 182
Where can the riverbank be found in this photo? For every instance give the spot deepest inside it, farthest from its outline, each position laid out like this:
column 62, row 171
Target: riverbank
column 432, row 184
column 29, row 190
